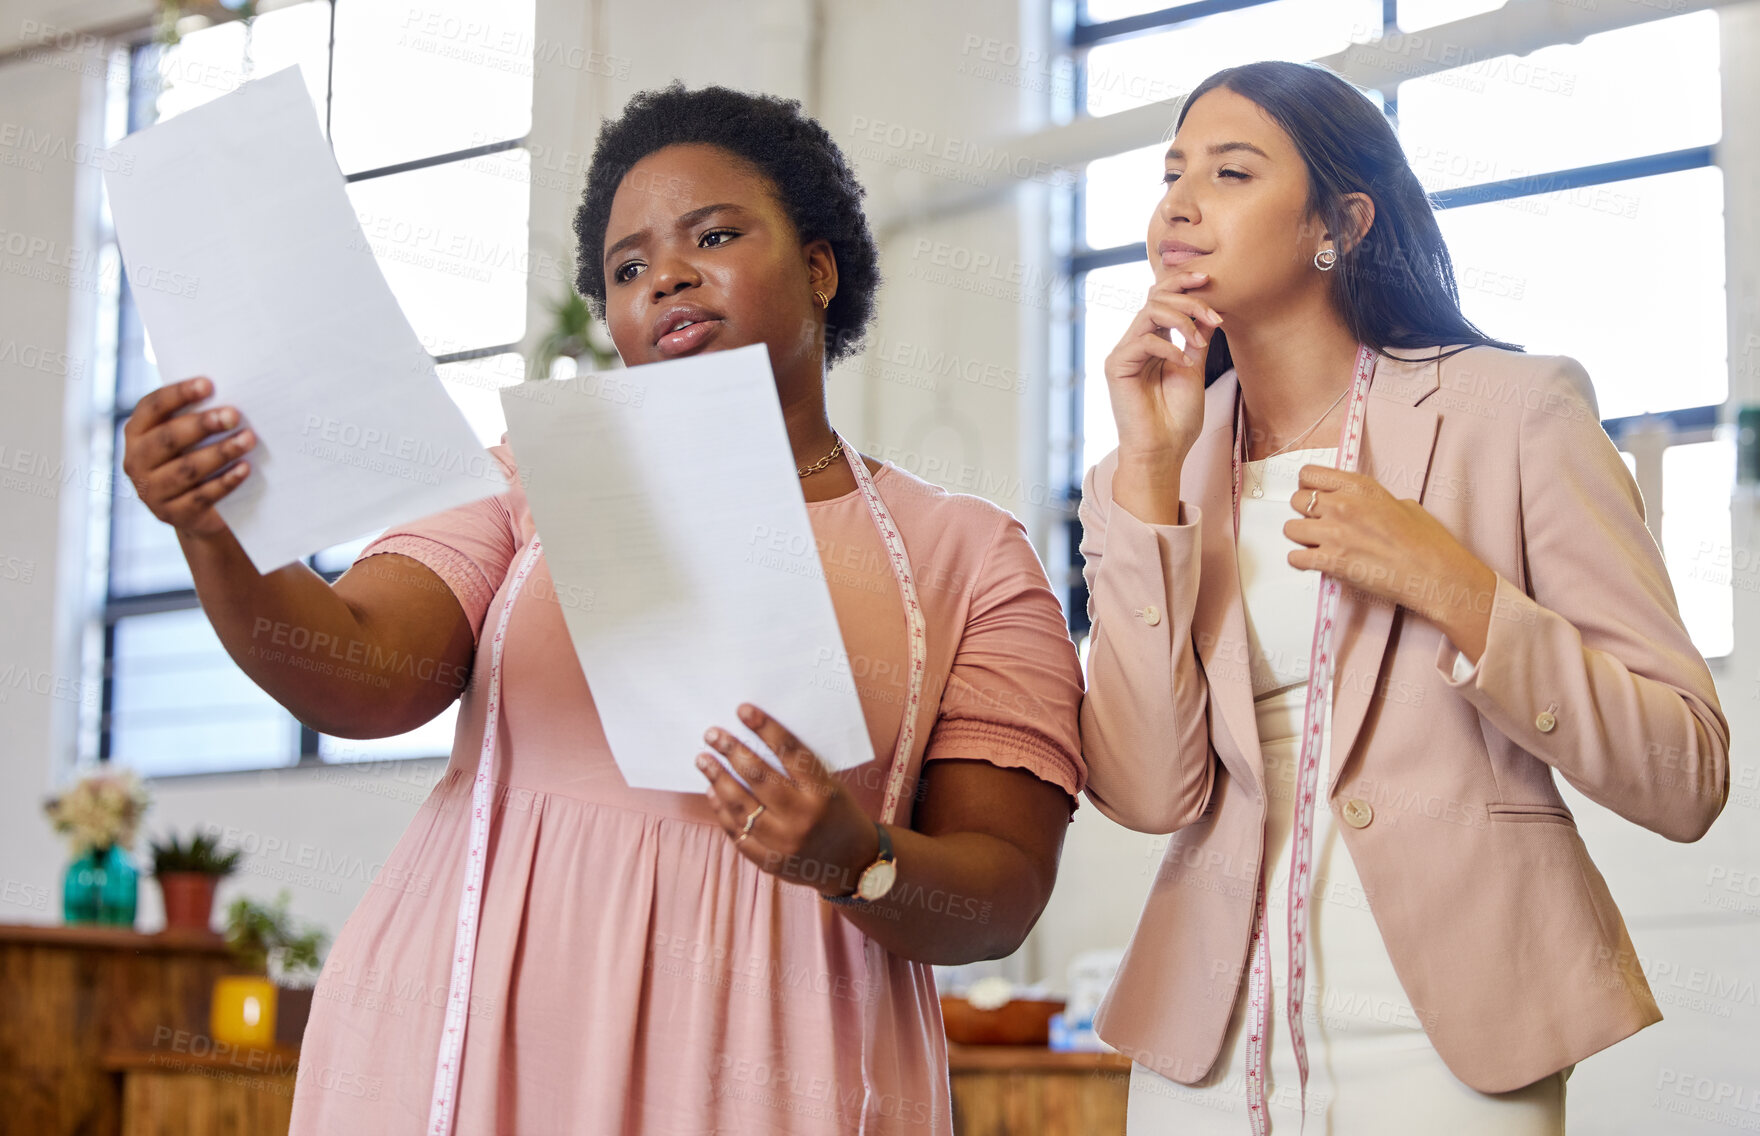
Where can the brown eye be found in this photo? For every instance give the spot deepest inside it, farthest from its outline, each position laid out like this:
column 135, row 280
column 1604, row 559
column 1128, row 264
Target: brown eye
column 625, row 272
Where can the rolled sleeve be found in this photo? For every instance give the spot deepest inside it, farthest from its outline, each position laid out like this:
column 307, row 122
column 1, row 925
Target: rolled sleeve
column 470, row 548
column 1014, row 689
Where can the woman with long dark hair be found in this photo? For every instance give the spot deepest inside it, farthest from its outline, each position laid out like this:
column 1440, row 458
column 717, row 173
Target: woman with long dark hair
column 1344, row 676
column 754, row 959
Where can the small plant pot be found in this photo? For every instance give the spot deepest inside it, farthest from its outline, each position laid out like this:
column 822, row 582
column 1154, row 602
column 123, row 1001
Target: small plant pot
column 189, row 900
column 243, row 1010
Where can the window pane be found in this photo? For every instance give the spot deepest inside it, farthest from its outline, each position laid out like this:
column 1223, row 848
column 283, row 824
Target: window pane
column 1099, row 11
column 182, row 706
column 432, row 739
column 1118, row 195
column 1696, row 482
column 217, row 60
column 1576, row 105
column 475, row 385
column 1548, row 272
column 1415, row 14
column 144, row 553
column 1110, row 298
column 451, row 241
column 1165, row 65
column 417, row 80
column 137, row 371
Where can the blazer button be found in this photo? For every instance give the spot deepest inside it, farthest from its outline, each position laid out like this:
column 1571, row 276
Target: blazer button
column 1545, row 721
column 1151, row 615
column 1357, row 813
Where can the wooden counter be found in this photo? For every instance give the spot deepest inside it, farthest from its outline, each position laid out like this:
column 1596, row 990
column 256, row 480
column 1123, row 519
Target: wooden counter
column 186, row 1088
column 69, row 995
column 1028, row 1090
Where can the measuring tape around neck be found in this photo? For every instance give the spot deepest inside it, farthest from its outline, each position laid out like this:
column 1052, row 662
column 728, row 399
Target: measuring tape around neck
column 443, row 1103
column 1307, row 784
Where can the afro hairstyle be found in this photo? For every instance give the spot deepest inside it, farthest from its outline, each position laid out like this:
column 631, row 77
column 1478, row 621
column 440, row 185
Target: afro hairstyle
column 813, row 183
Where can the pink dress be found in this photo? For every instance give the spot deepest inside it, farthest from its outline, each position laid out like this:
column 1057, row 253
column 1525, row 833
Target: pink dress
column 634, row 973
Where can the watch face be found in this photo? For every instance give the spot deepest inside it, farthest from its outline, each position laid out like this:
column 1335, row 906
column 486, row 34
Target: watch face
column 877, row 881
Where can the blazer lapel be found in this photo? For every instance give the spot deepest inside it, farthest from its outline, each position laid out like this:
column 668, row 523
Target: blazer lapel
column 1219, row 625
column 1398, row 439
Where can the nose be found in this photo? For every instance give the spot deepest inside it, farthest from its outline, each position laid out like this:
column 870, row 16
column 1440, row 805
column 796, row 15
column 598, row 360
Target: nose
column 671, row 274
column 1178, row 203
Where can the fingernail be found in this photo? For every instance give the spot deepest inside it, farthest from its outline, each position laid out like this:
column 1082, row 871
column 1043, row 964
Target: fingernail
column 1215, row 317
column 703, row 762
column 711, row 736
column 229, row 418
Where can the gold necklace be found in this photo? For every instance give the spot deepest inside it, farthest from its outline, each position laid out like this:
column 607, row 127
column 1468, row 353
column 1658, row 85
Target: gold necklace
column 1258, row 489
column 809, row 470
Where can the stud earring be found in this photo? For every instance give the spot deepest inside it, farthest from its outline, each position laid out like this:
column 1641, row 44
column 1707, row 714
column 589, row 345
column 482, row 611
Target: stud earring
column 1325, row 259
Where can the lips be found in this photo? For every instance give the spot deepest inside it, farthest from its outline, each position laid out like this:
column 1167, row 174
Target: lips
column 1176, row 253
column 683, row 328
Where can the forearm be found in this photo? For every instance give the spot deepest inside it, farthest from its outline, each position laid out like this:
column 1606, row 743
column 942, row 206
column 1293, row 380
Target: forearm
column 1144, row 722
column 959, row 897
column 1652, row 747
column 308, row 649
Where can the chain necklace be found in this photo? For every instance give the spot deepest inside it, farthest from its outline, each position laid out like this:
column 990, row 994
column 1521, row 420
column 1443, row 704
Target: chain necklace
column 1258, row 489
column 809, row 470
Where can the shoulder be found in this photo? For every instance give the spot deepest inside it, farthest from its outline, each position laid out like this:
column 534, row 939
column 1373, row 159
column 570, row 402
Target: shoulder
column 933, row 506
column 955, row 531
column 1553, row 384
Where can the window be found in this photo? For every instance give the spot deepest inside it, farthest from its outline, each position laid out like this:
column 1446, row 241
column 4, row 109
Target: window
column 431, row 143
column 1536, row 218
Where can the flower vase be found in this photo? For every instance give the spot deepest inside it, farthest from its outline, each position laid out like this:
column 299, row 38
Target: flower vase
column 102, row 887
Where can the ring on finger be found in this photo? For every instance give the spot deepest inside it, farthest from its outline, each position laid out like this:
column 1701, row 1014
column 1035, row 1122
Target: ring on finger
column 751, row 819
column 1313, row 498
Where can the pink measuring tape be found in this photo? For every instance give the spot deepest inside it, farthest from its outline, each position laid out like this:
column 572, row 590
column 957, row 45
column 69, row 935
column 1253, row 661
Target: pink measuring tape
column 1301, row 852
column 470, row 900
column 444, row 1101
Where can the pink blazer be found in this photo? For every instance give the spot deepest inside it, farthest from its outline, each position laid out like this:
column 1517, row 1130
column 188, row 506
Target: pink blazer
column 1499, row 926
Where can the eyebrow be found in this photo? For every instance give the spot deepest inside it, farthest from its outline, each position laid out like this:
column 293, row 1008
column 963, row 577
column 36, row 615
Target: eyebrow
column 685, row 221
column 1221, row 148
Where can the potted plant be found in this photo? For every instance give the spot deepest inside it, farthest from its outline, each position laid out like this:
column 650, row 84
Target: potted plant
column 252, row 1008
column 187, row 875
column 99, row 816
column 573, row 334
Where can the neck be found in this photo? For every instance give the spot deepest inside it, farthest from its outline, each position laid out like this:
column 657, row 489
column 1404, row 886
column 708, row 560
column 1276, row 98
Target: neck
column 810, row 437
column 1291, row 369
column 809, row 430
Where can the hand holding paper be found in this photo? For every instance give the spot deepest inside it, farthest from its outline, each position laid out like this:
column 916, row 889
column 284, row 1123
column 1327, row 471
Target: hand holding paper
column 249, row 267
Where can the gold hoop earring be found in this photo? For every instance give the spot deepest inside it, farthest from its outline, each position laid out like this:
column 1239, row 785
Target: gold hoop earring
column 1325, row 259
column 823, row 300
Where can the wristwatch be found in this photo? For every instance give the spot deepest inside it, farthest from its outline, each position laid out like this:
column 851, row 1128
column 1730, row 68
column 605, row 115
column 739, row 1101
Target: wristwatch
column 877, row 878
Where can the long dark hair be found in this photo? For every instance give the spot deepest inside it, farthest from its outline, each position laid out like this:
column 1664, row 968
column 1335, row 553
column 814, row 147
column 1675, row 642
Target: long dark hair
column 1396, row 287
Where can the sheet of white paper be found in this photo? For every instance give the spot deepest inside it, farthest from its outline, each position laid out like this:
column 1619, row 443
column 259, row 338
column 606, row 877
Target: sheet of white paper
column 249, row 266
column 669, row 507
